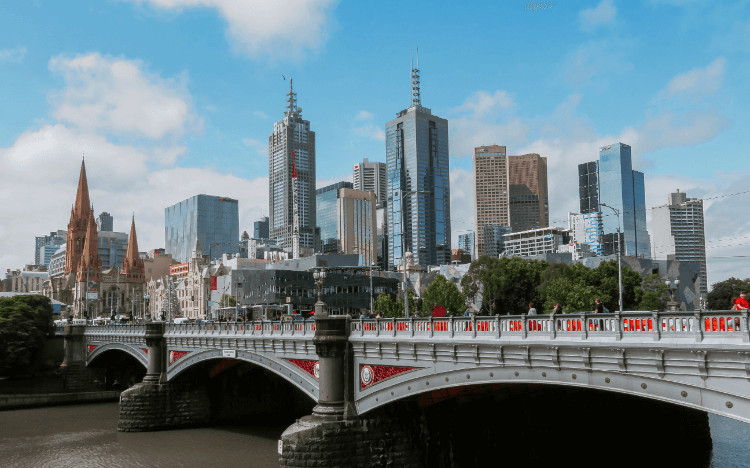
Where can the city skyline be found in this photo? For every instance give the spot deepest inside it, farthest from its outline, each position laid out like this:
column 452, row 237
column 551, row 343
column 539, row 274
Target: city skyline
column 671, row 115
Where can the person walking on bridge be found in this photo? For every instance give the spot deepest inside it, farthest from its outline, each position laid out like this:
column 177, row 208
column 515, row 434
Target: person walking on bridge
column 741, row 302
column 532, row 310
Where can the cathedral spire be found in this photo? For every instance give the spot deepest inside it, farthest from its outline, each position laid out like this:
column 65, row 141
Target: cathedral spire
column 132, row 264
column 90, row 266
column 83, row 203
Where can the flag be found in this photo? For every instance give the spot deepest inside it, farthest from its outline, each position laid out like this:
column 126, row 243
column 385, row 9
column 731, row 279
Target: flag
column 214, row 286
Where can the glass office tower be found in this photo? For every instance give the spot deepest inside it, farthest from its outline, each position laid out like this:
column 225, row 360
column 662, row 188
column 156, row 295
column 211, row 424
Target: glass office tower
column 214, row 221
column 612, row 181
column 326, row 207
column 418, row 192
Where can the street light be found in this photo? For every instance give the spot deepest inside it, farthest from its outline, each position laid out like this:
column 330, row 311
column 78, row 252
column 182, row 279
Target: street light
column 672, row 286
column 619, row 260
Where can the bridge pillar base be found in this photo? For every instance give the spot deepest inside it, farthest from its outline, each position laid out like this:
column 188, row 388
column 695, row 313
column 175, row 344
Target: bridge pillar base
column 148, row 407
column 363, row 443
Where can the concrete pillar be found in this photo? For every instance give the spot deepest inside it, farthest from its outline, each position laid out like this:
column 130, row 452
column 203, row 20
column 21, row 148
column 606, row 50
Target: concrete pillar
column 156, row 370
column 75, row 354
column 331, row 343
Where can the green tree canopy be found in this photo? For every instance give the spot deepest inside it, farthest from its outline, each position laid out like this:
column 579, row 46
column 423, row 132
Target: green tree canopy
column 25, row 323
column 655, row 296
column 507, row 284
column 445, row 293
column 720, row 297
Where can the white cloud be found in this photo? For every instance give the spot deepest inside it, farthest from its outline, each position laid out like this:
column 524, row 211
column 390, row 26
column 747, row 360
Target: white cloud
column 271, row 28
column 363, row 115
column 482, row 103
column 13, row 55
column 260, row 147
column 697, row 82
column 371, row 131
column 260, row 114
column 116, row 96
column 462, row 203
column 601, row 14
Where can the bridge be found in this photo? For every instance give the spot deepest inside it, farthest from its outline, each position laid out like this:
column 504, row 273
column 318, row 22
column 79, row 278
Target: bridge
column 350, row 368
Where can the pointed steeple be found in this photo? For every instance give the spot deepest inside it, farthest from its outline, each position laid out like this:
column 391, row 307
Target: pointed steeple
column 90, row 265
column 83, row 203
column 197, row 250
column 132, row 264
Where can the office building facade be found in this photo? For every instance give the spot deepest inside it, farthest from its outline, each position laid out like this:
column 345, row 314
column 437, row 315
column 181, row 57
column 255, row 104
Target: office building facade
column 44, row 245
column 494, row 239
column 291, row 146
column 466, row 243
column 371, row 176
column 326, row 205
column 528, row 197
column 611, row 181
column 213, row 221
column 105, row 222
column 113, row 247
column 679, row 233
column 537, row 242
column 418, row 197
column 260, row 228
column 490, row 191
column 357, row 227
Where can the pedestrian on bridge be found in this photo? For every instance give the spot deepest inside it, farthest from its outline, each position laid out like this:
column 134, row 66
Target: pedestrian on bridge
column 532, row 310
column 557, row 309
column 741, row 302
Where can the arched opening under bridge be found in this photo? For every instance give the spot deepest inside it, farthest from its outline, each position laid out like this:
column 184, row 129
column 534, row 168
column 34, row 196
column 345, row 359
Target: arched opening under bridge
column 115, row 368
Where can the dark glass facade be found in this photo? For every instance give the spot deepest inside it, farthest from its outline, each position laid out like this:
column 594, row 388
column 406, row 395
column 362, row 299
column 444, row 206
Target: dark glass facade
column 214, row 221
column 613, row 182
column 418, row 193
column 326, row 208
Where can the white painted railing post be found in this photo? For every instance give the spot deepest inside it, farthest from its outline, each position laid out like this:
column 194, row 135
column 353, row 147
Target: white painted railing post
column 585, row 325
column 497, row 325
column 618, row 327
column 699, row 327
column 745, row 335
column 452, row 324
column 553, row 324
column 657, row 325
column 411, row 326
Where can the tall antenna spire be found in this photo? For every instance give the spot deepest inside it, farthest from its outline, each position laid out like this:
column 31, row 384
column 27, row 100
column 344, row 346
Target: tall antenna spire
column 416, row 99
column 292, row 100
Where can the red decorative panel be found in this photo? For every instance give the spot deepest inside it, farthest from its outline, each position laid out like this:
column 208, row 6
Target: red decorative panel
column 175, row 355
column 370, row 375
column 311, row 367
column 145, row 350
column 91, row 347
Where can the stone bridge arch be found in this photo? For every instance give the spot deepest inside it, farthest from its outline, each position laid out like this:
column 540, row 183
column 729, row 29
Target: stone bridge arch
column 95, row 350
column 291, row 370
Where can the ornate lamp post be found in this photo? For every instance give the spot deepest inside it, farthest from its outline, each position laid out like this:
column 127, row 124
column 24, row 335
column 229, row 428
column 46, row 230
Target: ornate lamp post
column 672, row 286
column 320, row 307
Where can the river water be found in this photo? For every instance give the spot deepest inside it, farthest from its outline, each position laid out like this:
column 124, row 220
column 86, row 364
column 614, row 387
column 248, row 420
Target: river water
column 84, row 436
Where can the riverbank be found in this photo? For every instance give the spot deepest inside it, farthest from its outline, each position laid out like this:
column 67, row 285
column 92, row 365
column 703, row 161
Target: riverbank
column 34, row 400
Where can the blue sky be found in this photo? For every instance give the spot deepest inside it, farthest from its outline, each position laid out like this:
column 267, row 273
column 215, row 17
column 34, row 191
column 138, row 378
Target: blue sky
column 169, row 98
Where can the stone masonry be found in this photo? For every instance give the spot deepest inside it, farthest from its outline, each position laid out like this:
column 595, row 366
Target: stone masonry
column 152, row 407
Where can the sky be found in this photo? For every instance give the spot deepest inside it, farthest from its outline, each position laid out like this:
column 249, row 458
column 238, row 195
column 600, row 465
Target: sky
column 172, row 98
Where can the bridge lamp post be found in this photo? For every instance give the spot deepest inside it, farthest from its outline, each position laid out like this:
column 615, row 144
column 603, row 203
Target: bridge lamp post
column 237, row 301
column 619, row 260
column 320, row 276
column 672, row 286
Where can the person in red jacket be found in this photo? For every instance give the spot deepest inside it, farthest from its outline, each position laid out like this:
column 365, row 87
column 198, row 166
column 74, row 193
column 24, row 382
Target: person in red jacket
column 742, row 302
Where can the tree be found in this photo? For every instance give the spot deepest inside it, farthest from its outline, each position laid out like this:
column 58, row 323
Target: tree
column 444, row 293
column 507, row 284
column 25, row 323
column 227, row 301
column 655, row 294
column 722, row 293
column 385, row 304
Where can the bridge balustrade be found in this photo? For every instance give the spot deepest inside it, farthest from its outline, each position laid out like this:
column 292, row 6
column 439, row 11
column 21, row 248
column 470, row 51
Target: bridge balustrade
column 261, row 328
column 582, row 324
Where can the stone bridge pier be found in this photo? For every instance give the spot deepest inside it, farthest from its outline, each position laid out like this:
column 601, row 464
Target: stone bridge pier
column 156, row 404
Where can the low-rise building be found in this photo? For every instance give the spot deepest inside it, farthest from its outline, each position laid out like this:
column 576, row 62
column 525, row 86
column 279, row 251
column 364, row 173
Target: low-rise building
column 536, row 241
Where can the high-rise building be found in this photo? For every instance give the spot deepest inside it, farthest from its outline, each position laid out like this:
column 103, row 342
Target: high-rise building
column 418, row 198
column 214, row 221
column 105, row 222
column 537, row 242
column 112, row 248
column 326, row 206
column 291, row 147
column 45, row 246
column 490, row 191
column 370, row 176
column 679, row 233
column 260, row 228
column 466, row 243
column 357, row 224
column 528, row 201
column 611, row 181
column 494, row 239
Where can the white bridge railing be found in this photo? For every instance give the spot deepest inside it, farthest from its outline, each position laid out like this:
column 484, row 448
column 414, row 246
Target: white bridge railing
column 697, row 325
column 260, row 328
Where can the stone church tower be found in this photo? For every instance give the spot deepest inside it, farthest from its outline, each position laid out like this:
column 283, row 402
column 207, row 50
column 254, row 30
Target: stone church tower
column 78, row 225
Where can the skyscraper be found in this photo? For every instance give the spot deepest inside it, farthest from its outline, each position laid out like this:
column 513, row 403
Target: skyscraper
column 679, row 232
column 292, row 142
column 418, row 198
column 105, row 222
column 613, row 182
column 490, row 191
column 45, row 246
column 357, row 232
column 326, row 207
column 466, row 243
column 370, row 176
column 214, row 221
column 528, row 200
column 260, row 228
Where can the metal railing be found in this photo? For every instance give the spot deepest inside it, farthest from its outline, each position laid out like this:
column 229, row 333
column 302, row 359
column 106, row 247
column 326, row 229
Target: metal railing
column 696, row 324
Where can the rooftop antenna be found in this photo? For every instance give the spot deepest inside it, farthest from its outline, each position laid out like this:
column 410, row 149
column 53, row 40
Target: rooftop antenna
column 416, row 99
